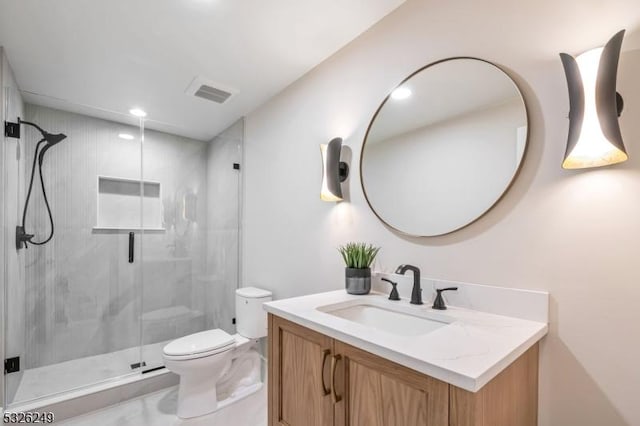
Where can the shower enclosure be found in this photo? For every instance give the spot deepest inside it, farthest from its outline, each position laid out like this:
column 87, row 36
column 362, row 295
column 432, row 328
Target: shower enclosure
column 145, row 247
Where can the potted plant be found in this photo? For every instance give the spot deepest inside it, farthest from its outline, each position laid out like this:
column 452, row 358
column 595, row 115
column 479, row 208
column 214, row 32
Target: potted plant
column 358, row 258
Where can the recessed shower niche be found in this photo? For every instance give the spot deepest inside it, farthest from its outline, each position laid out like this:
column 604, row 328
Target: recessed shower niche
column 124, row 204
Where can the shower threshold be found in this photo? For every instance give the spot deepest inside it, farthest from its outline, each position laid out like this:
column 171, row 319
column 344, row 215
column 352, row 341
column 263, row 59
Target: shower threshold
column 58, row 380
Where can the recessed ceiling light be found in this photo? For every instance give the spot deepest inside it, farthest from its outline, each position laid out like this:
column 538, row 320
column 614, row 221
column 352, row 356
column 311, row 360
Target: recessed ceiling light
column 125, row 136
column 137, row 112
column 401, row 93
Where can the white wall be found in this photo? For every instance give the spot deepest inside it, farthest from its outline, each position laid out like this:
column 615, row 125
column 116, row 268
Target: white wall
column 575, row 234
column 451, row 171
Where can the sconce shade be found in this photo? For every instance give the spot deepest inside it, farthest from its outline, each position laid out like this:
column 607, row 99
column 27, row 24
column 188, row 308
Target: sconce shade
column 594, row 107
column 334, row 171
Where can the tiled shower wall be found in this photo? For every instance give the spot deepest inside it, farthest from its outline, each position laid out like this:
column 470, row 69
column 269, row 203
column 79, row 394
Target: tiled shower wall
column 81, row 292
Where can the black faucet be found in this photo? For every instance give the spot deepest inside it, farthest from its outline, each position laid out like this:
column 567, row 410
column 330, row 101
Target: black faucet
column 439, row 302
column 416, row 293
column 394, row 292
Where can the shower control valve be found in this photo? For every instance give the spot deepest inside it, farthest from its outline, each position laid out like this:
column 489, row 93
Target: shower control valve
column 22, row 238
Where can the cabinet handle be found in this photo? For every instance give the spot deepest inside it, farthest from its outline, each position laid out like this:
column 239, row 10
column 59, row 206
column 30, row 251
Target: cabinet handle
column 334, row 395
column 325, row 353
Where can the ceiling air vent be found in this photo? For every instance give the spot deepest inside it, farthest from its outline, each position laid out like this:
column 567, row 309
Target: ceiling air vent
column 213, row 94
column 210, row 91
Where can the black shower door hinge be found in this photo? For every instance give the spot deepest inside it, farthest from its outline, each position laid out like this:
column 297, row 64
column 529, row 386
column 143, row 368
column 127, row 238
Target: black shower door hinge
column 236, row 166
column 11, row 365
column 12, row 130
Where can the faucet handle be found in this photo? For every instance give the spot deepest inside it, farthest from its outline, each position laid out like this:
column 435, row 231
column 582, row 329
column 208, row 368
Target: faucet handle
column 439, row 302
column 394, row 292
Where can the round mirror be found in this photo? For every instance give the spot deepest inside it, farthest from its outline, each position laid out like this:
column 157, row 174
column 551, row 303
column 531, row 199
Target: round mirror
column 443, row 147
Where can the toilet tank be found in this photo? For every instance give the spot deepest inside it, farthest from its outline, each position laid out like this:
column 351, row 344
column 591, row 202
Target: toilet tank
column 251, row 318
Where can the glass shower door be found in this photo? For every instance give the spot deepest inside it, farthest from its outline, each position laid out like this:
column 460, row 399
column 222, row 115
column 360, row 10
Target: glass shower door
column 74, row 303
column 191, row 263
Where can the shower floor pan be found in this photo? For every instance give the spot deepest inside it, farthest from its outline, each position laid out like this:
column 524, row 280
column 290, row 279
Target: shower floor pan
column 56, row 381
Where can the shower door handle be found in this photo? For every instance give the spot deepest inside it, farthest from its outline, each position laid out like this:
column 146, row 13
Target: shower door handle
column 131, row 242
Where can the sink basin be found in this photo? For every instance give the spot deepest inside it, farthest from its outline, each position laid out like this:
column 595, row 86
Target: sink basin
column 394, row 320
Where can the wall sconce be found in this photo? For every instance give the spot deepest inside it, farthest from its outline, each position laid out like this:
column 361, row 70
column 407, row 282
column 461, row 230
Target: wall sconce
column 334, row 171
column 594, row 107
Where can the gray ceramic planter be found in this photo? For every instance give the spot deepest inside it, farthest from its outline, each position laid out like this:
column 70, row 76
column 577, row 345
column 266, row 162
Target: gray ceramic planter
column 358, row 281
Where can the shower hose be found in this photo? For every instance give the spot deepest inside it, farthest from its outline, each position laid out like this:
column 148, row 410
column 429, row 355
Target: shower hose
column 39, row 159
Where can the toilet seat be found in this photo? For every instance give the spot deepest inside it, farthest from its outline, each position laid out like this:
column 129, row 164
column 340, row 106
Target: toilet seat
column 199, row 345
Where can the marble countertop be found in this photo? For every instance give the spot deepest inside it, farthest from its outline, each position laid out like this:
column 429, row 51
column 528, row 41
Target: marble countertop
column 468, row 352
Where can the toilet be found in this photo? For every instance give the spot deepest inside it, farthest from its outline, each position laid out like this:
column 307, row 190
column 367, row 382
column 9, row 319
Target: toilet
column 216, row 368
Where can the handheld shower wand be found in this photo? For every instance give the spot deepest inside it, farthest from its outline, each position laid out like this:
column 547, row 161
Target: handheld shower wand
column 49, row 140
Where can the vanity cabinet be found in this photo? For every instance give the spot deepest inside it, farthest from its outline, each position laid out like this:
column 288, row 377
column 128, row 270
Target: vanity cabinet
column 298, row 375
column 315, row 380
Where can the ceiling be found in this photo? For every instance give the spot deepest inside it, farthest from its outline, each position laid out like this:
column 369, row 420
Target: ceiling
column 104, row 58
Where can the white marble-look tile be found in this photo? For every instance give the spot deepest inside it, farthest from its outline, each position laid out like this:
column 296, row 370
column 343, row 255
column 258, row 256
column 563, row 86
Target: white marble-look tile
column 159, row 408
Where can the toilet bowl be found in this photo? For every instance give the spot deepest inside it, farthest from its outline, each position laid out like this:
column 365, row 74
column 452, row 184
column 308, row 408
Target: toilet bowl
column 204, row 360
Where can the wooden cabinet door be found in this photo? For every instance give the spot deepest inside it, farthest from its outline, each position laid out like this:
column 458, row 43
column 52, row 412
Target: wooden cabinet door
column 378, row 392
column 299, row 388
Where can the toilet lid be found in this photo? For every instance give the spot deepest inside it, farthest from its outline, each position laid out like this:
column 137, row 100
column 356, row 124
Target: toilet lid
column 204, row 341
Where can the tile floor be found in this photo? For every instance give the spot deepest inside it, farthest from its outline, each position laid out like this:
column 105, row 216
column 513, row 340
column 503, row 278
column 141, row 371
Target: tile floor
column 158, row 409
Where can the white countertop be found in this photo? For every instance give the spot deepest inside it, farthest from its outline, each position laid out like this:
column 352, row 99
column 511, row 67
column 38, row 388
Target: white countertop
column 468, row 352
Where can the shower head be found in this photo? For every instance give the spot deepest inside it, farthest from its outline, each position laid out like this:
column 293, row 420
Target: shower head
column 50, row 138
column 53, row 139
